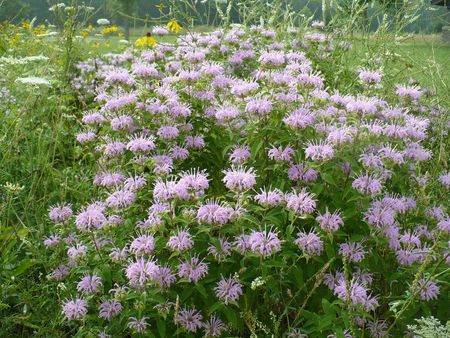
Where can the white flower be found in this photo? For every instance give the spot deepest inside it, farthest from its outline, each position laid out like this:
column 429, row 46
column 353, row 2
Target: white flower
column 33, row 80
column 103, row 22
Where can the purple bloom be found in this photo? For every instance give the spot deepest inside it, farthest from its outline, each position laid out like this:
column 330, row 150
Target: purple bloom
column 411, row 93
column 264, row 243
column 74, row 309
column 299, row 172
column 193, row 270
column 108, row 179
column 214, row 327
column 194, row 181
column 141, row 144
column 428, row 289
column 77, row 252
column 221, row 250
column 332, row 280
column 357, row 293
column 444, row 225
column 93, row 118
column 228, row 290
column 367, row 184
column 142, row 245
column 141, row 272
column 164, row 277
column 271, row 198
column 377, row 328
column 445, row 180
column 190, row 319
column 280, row 154
column 138, row 325
column 119, row 76
column 180, row 242
column 120, row 199
column 242, row 244
column 60, row 213
column 299, row 118
column 134, row 183
column 123, row 122
column 52, row 241
column 353, row 251
column 168, row 132
column 319, row 151
column 330, row 222
column 109, row 309
column 114, row 148
column 60, row 272
column 214, row 213
column 89, row 284
column 310, row 243
column 300, row 203
column 226, row 113
column 258, row 106
column 240, row 154
column 239, row 179
column 86, row 137
column 369, row 76
column 195, row 142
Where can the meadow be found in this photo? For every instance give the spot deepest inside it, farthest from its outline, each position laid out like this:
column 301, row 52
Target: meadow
column 235, row 181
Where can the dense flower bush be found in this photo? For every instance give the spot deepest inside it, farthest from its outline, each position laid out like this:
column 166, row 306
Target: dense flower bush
column 236, row 193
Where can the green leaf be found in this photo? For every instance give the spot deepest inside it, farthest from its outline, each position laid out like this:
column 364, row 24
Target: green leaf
column 161, row 326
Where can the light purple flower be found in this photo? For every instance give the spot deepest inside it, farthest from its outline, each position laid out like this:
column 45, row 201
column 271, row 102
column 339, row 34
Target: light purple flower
column 221, row 250
column 428, row 289
column 190, row 319
column 239, row 179
column 445, row 180
column 301, row 203
column 214, row 213
column 142, row 245
column 138, row 325
column 180, row 242
column 193, row 270
column 264, row 243
column 74, row 309
column 240, row 154
column 330, row 222
column 60, row 213
column 271, row 198
column 367, row 184
column 141, row 272
column 109, row 309
column 228, row 290
column 121, row 199
column 369, row 76
column 214, row 327
column 319, row 151
column 89, row 284
column 310, row 243
column 353, row 251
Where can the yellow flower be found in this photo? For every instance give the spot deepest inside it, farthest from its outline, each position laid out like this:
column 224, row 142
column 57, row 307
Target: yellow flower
column 95, row 45
column 26, row 24
column 173, row 26
column 90, row 27
column 111, row 29
column 39, row 30
column 84, row 33
column 147, row 41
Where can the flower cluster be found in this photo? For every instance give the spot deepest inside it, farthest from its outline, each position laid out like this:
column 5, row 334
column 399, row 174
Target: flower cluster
column 226, row 158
